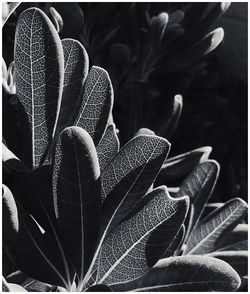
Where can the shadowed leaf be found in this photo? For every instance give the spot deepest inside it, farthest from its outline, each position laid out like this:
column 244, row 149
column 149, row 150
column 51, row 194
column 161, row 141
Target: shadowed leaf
column 34, row 253
column 12, row 161
column 187, row 274
column 93, row 109
column 39, row 80
column 77, row 195
column 199, row 185
column 76, row 66
column 108, row 147
column 206, row 234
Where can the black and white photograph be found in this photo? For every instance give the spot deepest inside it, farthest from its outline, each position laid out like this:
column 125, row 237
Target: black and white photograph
column 124, row 146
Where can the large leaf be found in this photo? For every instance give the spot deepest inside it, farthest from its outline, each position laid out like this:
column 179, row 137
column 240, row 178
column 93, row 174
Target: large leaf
column 131, row 247
column 76, row 66
column 183, row 164
column 108, row 146
column 77, row 195
column 130, row 174
column 92, row 111
column 187, row 274
column 206, row 234
column 199, row 185
column 39, row 80
column 34, row 253
column 237, row 259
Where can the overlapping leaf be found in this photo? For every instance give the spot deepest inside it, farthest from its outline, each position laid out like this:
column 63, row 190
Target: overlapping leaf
column 77, row 195
column 39, row 80
column 199, row 185
column 34, row 253
column 108, row 146
column 11, row 161
column 206, row 234
column 7, row 9
column 93, row 110
column 237, row 259
column 124, row 254
column 183, row 164
column 76, row 66
column 130, row 174
column 186, row 274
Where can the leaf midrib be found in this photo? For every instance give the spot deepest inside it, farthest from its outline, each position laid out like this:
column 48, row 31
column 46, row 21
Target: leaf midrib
column 214, row 230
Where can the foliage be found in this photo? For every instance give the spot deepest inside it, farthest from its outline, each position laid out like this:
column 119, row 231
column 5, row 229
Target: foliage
column 79, row 212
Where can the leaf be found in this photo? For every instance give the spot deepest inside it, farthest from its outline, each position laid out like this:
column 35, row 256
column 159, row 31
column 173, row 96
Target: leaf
column 199, row 185
column 93, row 110
column 131, row 247
column 206, row 234
column 130, row 174
column 157, row 29
column 76, row 66
column 7, row 9
column 237, row 259
column 77, row 195
column 11, row 161
column 56, row 19
column 32, row 285
column 39, row 80
column 36, row 195
column 172, row 123
column 144, row 131
column 34, row 253
column 234, row 240
column 108, row 147
column 187, row 274
column 183, row 164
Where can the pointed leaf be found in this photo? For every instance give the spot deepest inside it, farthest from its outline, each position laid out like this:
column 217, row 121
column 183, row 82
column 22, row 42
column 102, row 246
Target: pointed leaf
column 187, row 274
column 77, row 195
column 172, row 123
column 183, row 164
column 237, row 259
column 199, row 186
column 108, row 146
column 76, row 66
column 131, row 247
column 93, row 110
column 130, row 174
column 34, row 253
column 206, row 234
column 39, row 79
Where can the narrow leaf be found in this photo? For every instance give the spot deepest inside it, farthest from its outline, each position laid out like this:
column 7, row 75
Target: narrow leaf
column 108, row 147
column 34, row 254
column 237, row 259
column 76, row 66
column 77, row 195
column 183, row 164
column 130, row 174
column 131, row 247
column 234, row 240
column 39, row 79
column 199, row 185
column 187, row 274
column 93, row 110
column 206, row 234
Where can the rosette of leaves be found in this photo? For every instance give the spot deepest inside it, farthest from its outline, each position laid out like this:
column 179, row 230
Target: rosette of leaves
column 83, row 215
